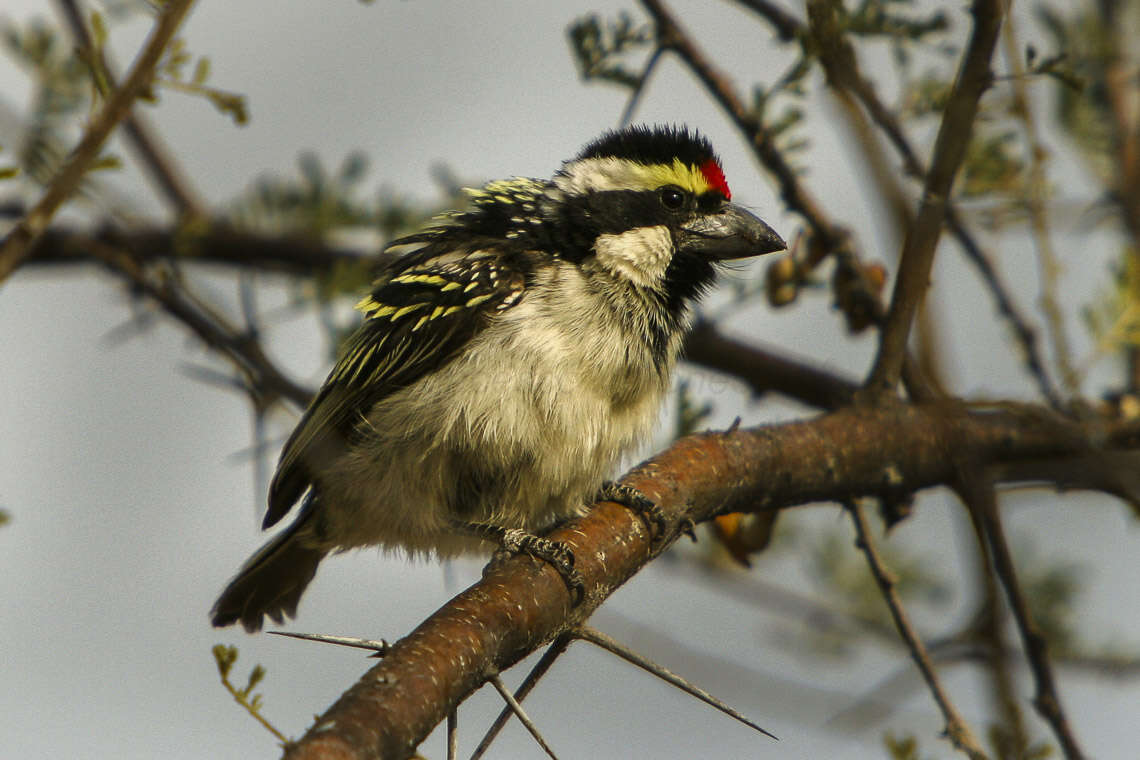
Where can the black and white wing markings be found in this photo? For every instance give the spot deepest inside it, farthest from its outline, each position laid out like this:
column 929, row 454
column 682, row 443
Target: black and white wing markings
column 502, row 210
column 417, row 319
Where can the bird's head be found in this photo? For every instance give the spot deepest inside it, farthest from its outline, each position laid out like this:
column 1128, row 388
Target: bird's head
column 652, row 206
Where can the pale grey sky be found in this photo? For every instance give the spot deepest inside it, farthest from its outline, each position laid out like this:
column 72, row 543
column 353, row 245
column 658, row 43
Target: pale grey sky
column 132, row 504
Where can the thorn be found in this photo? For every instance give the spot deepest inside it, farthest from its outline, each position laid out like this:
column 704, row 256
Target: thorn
column 600, row 639
column 379, row 647
column 453, row 734
column 538, row 671
column 516, row 708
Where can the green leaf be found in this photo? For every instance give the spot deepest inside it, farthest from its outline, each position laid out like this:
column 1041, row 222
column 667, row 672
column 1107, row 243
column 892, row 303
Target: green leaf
column 255, row 677
column 105, row 162
column 225, row 657
column 231, row 104
column 599, row 47
column 353, row 168
column 201, row 71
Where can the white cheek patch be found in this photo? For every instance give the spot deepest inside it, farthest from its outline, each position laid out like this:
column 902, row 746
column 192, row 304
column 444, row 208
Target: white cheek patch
column 641, row 255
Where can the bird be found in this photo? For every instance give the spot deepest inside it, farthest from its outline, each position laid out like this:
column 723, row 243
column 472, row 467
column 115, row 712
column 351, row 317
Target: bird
column 508, row 356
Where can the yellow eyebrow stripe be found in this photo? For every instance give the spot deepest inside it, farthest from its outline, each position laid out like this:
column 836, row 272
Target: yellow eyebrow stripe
column 610, row 173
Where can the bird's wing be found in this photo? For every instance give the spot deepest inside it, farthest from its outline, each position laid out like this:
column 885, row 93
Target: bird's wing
column 417, row 318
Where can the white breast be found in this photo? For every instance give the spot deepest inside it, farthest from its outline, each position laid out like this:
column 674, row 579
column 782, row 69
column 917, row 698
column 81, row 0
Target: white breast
column 553, row 393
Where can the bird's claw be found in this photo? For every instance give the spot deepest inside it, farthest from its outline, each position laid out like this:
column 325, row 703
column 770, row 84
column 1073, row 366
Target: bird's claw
column 628, row 496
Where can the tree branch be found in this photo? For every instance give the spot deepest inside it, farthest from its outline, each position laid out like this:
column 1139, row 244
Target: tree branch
column 841, row 64
column 155, row 160
column 217, row 244
column 765, row 371
column 787, row 26
column 15, row 247
column 979, row 494
column 974, row 78
column 859, row 299
column 958, row 731
column 264, row 381
column 672, row 37
column 520, row 604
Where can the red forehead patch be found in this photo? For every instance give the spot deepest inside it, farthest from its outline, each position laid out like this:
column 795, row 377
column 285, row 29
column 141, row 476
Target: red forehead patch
column 715, row 177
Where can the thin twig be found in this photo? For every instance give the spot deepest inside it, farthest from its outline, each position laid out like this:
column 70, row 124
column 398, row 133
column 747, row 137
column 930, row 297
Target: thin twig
column 672, row 37
column 767, row 371
column 1119, row 83
column 957, row 730
column 787, row 26
column 600, row 639
column 974, row 77
column 979, row 495
column 1036, row 191
column 263, row 378
column 639, row 88
column 990, row 624
column 1026, row 336
column 155, row 159
column 517, row 709
column 242, row 697
column 552, row 653
column 841, row 63
column 860, row 302
column 16, row 245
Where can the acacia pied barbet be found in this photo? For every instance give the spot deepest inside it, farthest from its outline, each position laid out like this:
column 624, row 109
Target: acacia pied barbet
column 509, row 355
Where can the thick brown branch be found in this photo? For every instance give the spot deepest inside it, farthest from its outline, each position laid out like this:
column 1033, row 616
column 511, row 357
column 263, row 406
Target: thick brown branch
column 521, row 604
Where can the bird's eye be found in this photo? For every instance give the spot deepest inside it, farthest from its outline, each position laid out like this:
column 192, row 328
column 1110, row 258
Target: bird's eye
column 672, row 197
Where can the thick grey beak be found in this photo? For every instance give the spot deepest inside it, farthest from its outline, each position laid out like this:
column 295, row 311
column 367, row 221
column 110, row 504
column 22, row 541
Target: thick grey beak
column 732, row 234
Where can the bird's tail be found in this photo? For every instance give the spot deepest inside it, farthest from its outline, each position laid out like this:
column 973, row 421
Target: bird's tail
column 270, row 582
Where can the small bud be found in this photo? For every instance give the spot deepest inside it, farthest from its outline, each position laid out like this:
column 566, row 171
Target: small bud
column 876, row 275
column 782, row 281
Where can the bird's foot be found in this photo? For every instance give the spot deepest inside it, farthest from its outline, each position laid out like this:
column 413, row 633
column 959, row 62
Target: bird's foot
column 514, row 541
column 632, row 498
